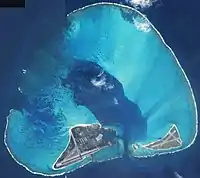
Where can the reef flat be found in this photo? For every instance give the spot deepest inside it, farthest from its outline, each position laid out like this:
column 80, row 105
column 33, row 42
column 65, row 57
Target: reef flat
column 104, row 87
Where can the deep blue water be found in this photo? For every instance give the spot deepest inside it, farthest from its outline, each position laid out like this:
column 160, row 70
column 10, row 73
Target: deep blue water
column 178, row 23
column 110, row 106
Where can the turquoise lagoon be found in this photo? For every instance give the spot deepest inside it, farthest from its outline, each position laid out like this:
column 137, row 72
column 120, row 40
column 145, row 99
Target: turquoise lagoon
column 125, row 44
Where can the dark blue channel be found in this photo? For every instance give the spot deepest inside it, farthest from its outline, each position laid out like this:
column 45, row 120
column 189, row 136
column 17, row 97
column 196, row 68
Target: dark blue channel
column 107, row 101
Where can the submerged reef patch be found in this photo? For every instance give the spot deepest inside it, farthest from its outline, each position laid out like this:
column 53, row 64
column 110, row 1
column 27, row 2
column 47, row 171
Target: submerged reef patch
column 107, row 86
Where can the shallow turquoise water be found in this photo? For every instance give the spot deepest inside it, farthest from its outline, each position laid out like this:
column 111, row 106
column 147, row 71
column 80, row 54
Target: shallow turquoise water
column 125, row 44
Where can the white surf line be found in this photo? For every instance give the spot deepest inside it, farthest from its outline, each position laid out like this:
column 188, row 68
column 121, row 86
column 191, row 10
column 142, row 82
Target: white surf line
column 156, row 150
column 70, row 135
column 179, row 140
column 29, row 170
column 158, row 33
column 33, row 172
column 85, row 155
column 77, row 149
column 168, row 133
column 51, row 174
column 167, row 46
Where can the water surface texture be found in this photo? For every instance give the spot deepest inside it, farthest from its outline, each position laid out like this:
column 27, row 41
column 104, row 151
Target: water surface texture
column 107, row 65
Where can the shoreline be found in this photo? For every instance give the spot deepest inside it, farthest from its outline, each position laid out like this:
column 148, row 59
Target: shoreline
column 175, row 60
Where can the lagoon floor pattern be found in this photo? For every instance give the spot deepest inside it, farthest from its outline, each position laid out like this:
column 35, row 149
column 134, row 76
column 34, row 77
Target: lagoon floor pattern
column 126, row 45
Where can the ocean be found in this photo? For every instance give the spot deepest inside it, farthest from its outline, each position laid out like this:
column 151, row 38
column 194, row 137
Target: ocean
column 178, row 23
